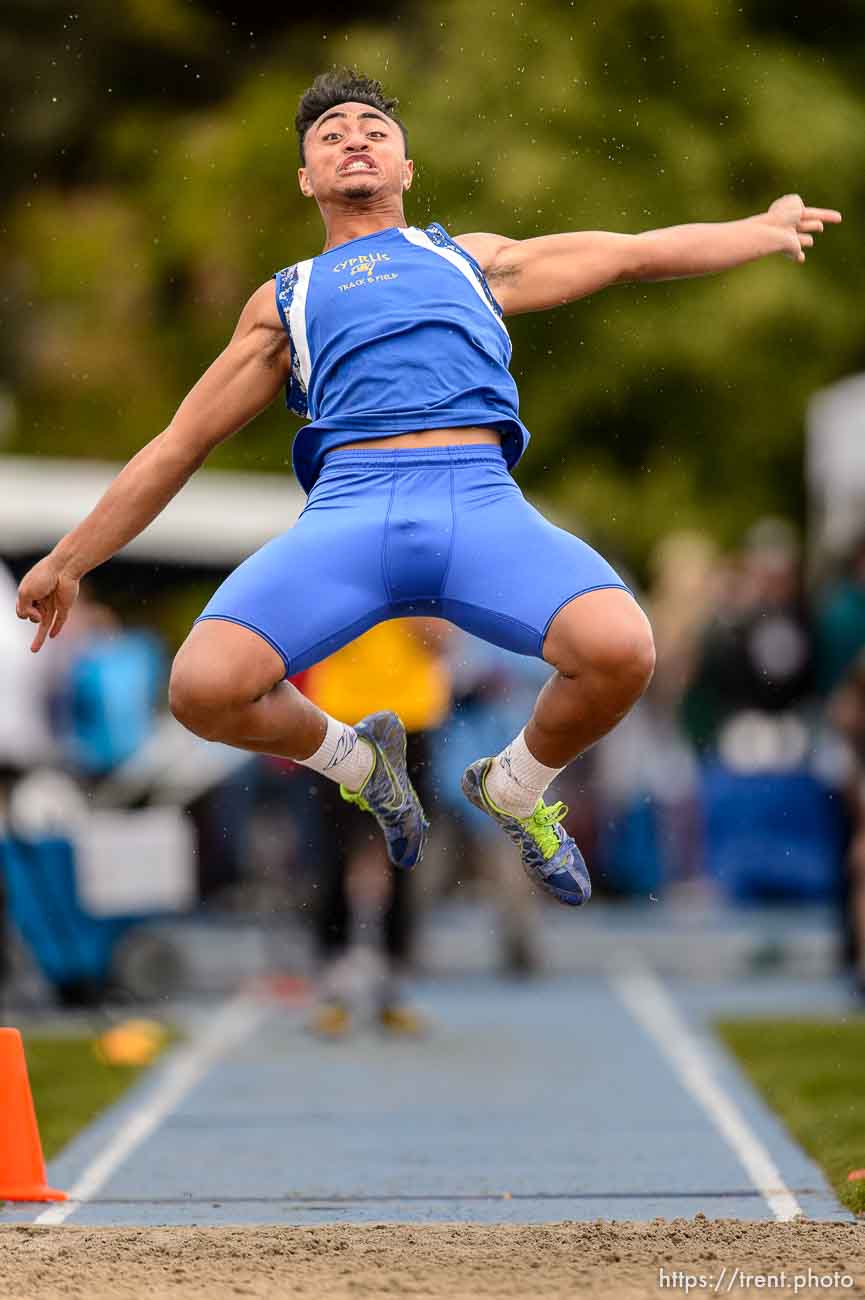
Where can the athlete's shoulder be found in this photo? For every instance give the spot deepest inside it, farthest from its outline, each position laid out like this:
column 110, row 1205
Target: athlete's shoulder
column 261, row 307
column 483, row 246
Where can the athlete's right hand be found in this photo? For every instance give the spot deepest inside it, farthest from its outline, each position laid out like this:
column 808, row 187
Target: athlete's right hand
column 45, row 596
column 797, row 224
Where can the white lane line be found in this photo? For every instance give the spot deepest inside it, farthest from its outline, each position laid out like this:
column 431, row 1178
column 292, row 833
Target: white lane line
column 234, row 1021
column 651, row 1006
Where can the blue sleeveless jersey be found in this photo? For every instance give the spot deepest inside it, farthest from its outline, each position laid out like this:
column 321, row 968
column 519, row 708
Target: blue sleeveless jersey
column 392, row 333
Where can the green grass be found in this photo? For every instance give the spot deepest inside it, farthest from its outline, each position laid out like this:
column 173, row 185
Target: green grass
column 812, row 1072
column 70, row 1086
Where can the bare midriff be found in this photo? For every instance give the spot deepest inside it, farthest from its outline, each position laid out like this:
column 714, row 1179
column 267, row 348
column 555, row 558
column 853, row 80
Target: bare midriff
column 428, row 438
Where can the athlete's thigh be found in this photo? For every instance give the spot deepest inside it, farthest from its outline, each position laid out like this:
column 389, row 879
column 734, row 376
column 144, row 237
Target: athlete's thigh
column 311, row 590
column 512, row 570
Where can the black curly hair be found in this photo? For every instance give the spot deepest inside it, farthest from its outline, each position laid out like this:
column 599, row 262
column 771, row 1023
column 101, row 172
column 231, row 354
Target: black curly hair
column 342, row 86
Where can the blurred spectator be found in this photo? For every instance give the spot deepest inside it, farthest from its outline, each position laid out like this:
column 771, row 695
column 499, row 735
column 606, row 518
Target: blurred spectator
column 287, row 841
column 222, row 816
column 494, row 694
column 365, row 915
column 757, row 653
column 773, row 828
column 686, row 579
column 847, row 713
column 25, row 739
column 647, row 785
column 106, row 688
column 840, row 620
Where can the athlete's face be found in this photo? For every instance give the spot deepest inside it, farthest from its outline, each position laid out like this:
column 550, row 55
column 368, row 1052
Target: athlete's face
column 354, row 152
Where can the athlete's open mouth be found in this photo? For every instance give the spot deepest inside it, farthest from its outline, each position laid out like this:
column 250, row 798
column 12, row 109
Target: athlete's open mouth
column 360, row 163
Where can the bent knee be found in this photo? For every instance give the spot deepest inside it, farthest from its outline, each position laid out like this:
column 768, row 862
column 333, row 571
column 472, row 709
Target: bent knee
column 627, row 660
column 200, row 698
column 622, row 654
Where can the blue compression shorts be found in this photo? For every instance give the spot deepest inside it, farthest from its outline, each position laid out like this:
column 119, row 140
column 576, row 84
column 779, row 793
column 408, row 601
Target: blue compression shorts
column 441, row 532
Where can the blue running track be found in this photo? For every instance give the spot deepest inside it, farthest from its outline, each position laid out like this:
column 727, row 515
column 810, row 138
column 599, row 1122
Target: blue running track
column 528, row 1103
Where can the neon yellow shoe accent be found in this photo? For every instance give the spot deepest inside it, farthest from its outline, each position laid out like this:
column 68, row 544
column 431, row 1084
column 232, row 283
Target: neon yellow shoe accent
column 539, row 823
column 540, row 826
column 355, row 797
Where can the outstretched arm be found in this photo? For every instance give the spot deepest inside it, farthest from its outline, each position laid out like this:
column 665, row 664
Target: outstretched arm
column 242, row 381
column 536, row 274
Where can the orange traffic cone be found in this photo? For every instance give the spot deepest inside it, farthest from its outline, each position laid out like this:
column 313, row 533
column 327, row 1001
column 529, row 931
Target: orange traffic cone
column 22, row 1168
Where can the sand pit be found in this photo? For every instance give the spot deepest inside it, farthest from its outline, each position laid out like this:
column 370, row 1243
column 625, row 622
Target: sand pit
column 456, row 1261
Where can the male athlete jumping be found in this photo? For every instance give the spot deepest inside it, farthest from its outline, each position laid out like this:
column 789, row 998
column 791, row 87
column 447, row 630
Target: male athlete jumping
column 392, row 343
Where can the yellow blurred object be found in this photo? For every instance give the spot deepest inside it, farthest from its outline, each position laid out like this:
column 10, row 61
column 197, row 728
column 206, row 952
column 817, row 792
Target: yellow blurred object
column 134, row 1042
column 388, row 667
column 332, row 1020
column 403, row 1022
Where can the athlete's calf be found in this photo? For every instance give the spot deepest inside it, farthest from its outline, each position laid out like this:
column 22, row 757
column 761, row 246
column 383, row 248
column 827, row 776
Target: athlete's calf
column 228, row 684
column 601, row 646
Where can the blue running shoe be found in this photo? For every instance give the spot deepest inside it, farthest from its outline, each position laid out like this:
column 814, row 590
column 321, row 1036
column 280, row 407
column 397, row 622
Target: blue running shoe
column 549, row 855
column 388, row 793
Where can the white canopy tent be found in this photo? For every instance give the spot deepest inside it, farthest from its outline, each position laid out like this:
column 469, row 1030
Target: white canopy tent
column 218, row 518
column 836, row 466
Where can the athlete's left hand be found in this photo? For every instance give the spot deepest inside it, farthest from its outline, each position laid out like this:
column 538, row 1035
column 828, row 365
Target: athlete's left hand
column 45, row 596
column 797, row 224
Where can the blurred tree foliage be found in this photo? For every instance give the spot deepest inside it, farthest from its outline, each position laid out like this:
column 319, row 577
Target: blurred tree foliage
column 150, row 186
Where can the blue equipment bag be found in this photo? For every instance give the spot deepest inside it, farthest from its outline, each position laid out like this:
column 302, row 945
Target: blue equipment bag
column 630, row 849
column 773, row 836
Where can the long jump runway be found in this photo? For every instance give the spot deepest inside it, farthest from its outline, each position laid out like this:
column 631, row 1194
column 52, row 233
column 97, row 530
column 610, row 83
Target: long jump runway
column 532, row 1103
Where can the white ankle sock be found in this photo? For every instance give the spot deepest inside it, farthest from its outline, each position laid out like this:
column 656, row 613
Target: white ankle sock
column 342, row 756
column 515, row 780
